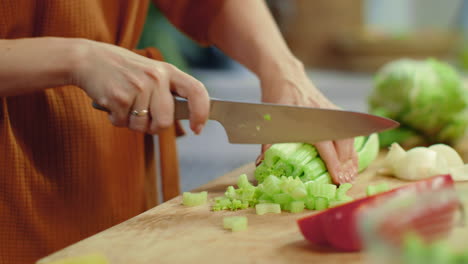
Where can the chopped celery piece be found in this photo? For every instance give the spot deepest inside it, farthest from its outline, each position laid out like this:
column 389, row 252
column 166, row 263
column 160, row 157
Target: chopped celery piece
column 310, row 203
column 282, row 168
column 262, row 172
column 265, row 208
column 267, row 117
column 297, row 206
column 321, row 203
column 300, row 158
column 283, row 199
column 271, row 185
column 321, row 189
column 264, row 198
column 369, row 152
column 235, row 223
column 231, row 192
column 378, row 188
column 222, row 204
column 324, row 178
column 313, row 169
column 194, row 199
column 299, row 193
column 342, row 190
column 243, row 182
column 280, row 151
column 290, row 184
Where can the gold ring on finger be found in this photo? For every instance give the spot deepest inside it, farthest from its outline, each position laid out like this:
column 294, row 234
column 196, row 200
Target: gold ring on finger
column 139, row 113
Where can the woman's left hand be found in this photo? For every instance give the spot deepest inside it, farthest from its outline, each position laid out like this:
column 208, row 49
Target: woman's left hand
column 293, row 87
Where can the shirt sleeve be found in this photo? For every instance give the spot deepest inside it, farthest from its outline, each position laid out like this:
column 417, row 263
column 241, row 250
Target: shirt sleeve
column 193, row 17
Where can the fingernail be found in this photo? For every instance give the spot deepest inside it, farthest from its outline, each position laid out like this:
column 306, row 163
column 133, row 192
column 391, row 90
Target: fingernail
column 199, row 129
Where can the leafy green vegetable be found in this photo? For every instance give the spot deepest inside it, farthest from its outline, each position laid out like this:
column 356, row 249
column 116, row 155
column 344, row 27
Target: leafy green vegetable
column 426, row 97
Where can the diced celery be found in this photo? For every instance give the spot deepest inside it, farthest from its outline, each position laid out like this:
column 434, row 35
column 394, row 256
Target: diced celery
column 282, row 198
column 265, row 208
column 342, row 190
column 194, row 199
column 267, row 117
column 323, row 178
column 235, row 223
column 289, row 184
column 297, row 206
column 262, row 171
column 222, row 204
column 299, row 193
column 280, row 151
column 282, row 168
column 321, row 189
column 243, row 182
column 378, row 188
column 313, row 169
column 440, row 252
column 271, row 185
column 321, row 203
column 231, row 192
column 310, row 203
column 300, row 158
column 265, row 198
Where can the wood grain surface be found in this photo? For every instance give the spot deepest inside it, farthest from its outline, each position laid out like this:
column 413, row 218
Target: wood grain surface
column 173, row 233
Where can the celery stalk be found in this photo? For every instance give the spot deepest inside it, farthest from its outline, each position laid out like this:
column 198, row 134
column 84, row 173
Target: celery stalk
column 280, row 151
column 313, row 169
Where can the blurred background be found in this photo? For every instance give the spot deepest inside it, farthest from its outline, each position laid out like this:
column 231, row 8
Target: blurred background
column 342, row 43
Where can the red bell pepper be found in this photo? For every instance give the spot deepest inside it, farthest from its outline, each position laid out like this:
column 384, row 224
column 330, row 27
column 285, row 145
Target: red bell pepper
column 337, row 227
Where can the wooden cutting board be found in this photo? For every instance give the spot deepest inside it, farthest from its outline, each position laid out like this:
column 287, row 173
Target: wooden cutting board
column 173, row 233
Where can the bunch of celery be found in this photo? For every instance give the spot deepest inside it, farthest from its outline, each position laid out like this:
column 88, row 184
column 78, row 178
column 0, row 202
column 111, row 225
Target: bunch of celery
column 290, row 193
column 302, row 161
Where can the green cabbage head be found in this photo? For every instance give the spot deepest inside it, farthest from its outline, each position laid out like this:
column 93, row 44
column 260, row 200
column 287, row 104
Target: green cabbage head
column 426, row 96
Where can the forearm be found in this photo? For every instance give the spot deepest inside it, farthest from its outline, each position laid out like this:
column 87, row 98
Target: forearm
column 32, row 64
column 246, row 31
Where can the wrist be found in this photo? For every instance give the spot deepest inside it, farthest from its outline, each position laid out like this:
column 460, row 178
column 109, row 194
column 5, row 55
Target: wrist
column 75, row 53
column 281, row 71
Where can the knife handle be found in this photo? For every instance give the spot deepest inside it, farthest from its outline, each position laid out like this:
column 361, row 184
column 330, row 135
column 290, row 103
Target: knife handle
column 181, row 110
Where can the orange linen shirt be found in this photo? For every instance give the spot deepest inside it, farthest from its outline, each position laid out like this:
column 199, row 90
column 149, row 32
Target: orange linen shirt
column 65, row 172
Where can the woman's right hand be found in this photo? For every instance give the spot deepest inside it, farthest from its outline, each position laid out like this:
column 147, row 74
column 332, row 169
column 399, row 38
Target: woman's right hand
column 123, row 81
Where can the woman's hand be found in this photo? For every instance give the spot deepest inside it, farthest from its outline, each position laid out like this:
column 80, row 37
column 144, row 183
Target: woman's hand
column 293, row 87
column 123, row 81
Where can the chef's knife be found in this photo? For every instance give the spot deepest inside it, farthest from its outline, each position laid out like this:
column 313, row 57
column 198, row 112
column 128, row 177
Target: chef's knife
column 263, row 123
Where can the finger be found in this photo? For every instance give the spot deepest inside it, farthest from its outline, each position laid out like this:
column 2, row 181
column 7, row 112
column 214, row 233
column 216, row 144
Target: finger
column 119, row 106
column 161, row 106
column 140, row 122
column 196, row 94
column 328, row 153
column 344, row 149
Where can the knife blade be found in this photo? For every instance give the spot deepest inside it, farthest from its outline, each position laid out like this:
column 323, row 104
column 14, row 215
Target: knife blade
column 264, row 123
